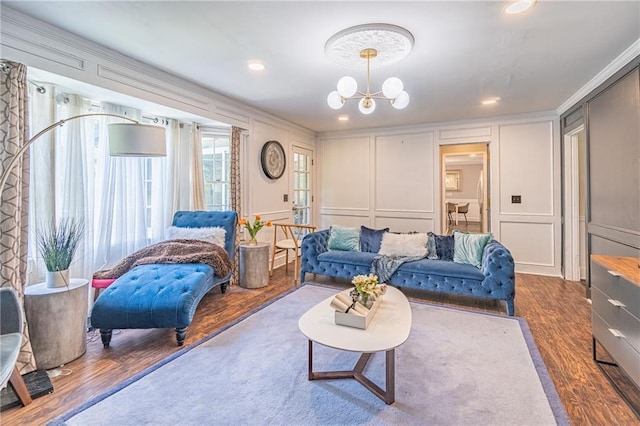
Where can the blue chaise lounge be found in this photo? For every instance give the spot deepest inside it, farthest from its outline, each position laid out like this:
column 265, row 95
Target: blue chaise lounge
column 164, row 295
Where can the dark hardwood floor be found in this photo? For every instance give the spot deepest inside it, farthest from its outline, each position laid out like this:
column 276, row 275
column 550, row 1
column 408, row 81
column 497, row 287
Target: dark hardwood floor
column 556, row 310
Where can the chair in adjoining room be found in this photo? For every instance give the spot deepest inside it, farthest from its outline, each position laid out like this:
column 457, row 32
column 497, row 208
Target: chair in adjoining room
column 11, row 322
column 293, row 234
column 451, row 209
column 464, row 209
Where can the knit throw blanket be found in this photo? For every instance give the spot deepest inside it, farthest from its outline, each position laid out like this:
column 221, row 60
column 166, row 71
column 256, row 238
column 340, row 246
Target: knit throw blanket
column 385, row 266
column 174, row 251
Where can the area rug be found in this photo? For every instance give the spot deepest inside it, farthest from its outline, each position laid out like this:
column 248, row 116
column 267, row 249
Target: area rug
column 457, row 368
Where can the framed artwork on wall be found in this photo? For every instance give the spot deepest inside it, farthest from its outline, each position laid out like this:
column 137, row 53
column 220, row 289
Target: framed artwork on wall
column 453, row 180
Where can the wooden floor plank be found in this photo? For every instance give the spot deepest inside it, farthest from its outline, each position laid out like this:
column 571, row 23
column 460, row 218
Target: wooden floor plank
column 556, row 310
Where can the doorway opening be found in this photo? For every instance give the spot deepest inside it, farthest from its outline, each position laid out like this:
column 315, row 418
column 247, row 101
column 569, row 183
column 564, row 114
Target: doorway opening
column 464, row 188
column 575, row 202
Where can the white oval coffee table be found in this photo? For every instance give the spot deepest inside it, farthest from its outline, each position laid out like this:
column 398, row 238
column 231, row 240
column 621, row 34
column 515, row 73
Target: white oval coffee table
column 387, row 330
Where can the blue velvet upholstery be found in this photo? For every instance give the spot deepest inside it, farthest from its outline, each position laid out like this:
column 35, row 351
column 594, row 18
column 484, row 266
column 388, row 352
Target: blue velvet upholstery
column 370, row 239
column 163, row 295
column 494, row 280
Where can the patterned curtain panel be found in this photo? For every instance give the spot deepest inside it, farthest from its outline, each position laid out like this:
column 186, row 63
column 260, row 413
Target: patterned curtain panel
column 236, row 194
column 14, row 197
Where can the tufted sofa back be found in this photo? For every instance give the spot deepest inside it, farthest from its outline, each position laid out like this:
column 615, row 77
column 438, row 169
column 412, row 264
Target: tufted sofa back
column 205, row 219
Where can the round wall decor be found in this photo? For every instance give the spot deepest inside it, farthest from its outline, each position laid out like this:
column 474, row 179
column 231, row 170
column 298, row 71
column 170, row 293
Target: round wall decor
column 273, row 159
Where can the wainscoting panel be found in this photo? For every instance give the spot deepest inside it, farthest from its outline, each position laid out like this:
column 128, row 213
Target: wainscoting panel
column 527, row 168
column 404, row 172
column 531, row 244
column 345, row 173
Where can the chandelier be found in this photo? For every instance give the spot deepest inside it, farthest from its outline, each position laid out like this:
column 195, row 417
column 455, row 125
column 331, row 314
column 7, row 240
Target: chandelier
column 383, row 43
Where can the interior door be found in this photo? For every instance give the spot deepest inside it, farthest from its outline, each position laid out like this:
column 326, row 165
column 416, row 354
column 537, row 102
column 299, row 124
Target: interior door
column 302, row 185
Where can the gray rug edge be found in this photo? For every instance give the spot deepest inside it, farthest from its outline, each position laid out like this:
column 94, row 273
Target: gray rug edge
column 550, row 391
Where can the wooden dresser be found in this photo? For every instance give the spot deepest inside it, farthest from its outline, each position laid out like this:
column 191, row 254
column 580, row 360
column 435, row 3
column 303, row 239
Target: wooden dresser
column 615, row 315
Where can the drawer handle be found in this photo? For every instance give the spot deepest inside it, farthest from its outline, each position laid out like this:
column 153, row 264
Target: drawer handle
column 615, row 332
column 616, row 303
column 614, row 273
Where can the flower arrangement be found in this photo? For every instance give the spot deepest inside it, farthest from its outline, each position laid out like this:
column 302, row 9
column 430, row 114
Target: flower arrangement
column 366, row 286
column 254, row 227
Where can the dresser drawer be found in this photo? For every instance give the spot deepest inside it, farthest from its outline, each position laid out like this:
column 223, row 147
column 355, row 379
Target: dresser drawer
column 616, row 287
column 625, row 356
column 617, row 317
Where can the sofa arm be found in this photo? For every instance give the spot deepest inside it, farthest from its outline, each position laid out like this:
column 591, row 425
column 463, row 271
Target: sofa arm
column 499, row 270
column 313, row 245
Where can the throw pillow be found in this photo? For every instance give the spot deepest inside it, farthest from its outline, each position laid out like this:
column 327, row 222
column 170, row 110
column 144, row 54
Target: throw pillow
column 404, row 244
column 468, row 248
column 444, row 247
column 432, row 252
column 370, row 239
column 215, row 235
column 344, row 238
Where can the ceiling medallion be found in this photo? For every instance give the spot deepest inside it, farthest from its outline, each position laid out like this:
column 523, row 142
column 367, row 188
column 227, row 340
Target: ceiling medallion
column 393, row 43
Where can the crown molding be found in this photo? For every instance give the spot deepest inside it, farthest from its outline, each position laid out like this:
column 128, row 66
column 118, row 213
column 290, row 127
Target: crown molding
column 623, row 59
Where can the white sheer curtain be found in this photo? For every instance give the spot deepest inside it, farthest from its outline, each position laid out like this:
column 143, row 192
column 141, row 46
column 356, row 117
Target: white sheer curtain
column 61, row 175
column 120, row 214
column 188, row 171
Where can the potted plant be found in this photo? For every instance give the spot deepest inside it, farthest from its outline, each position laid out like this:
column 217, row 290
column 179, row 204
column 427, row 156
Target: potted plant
column 57, row 244
column 253, row 229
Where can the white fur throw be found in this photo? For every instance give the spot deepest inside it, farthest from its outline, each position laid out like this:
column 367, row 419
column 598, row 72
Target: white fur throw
column 215, row 235
column 404, row 244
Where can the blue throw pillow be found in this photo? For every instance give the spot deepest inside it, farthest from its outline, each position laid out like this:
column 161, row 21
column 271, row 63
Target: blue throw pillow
column 444, row 247
column 344, row 238
column 468, row 248
column 370, row 239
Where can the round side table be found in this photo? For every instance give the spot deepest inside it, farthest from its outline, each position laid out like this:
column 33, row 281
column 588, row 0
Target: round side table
column 254, row 265
column 57, row 319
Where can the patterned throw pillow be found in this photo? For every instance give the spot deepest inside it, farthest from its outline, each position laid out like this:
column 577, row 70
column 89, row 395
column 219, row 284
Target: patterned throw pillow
column 432, row 252
column 468, row 248
column 370, row 239
column 344, row 238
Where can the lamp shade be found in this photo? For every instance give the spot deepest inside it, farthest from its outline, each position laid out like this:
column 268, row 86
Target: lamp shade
column 401, row 101
column 136, row 140
column 347, row 86
column 334, row 100
column 392, row 87
column 367, row 107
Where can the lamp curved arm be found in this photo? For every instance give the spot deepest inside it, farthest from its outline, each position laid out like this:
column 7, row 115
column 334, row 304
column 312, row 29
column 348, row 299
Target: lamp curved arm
column 18, row 155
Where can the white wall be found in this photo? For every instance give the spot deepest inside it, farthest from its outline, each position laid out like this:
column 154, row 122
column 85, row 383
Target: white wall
column 390, row 177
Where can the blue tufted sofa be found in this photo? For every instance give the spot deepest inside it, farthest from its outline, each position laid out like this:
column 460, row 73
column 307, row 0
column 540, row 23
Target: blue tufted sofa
column 494, row 280
column 163, row 295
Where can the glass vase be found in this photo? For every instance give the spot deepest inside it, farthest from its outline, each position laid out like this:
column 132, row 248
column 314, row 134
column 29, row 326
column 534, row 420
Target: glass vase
column 253, row 241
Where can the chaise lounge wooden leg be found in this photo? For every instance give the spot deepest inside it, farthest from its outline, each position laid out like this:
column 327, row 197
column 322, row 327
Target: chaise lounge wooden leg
column 105, row 335
column 223, row 287
column 19, row 387
column 181, row 333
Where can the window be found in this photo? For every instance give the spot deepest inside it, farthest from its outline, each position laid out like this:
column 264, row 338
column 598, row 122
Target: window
column 216, row 161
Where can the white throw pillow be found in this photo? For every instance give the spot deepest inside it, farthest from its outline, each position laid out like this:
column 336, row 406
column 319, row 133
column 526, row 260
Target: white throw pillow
column 404, row 244
column 215, row 235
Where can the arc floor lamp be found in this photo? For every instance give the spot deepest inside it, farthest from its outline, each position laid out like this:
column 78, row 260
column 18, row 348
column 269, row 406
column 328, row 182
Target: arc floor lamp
column 125, row 140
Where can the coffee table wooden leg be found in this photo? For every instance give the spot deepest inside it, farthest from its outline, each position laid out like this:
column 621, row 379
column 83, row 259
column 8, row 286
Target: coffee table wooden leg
column 388, row 395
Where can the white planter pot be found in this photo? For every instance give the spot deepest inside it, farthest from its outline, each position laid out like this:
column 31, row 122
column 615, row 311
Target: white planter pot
column 57, row 278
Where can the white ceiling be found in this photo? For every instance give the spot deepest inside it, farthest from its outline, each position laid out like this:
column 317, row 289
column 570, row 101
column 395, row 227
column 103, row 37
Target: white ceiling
column 464, row 51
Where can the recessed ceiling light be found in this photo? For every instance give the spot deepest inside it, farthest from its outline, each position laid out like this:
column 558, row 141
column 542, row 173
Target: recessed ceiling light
column 256, row 66
column 343, row 117
column 491, row 101
column 518, row 6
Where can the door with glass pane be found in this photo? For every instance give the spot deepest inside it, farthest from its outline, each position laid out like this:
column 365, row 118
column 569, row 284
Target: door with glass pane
column 302, row 185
